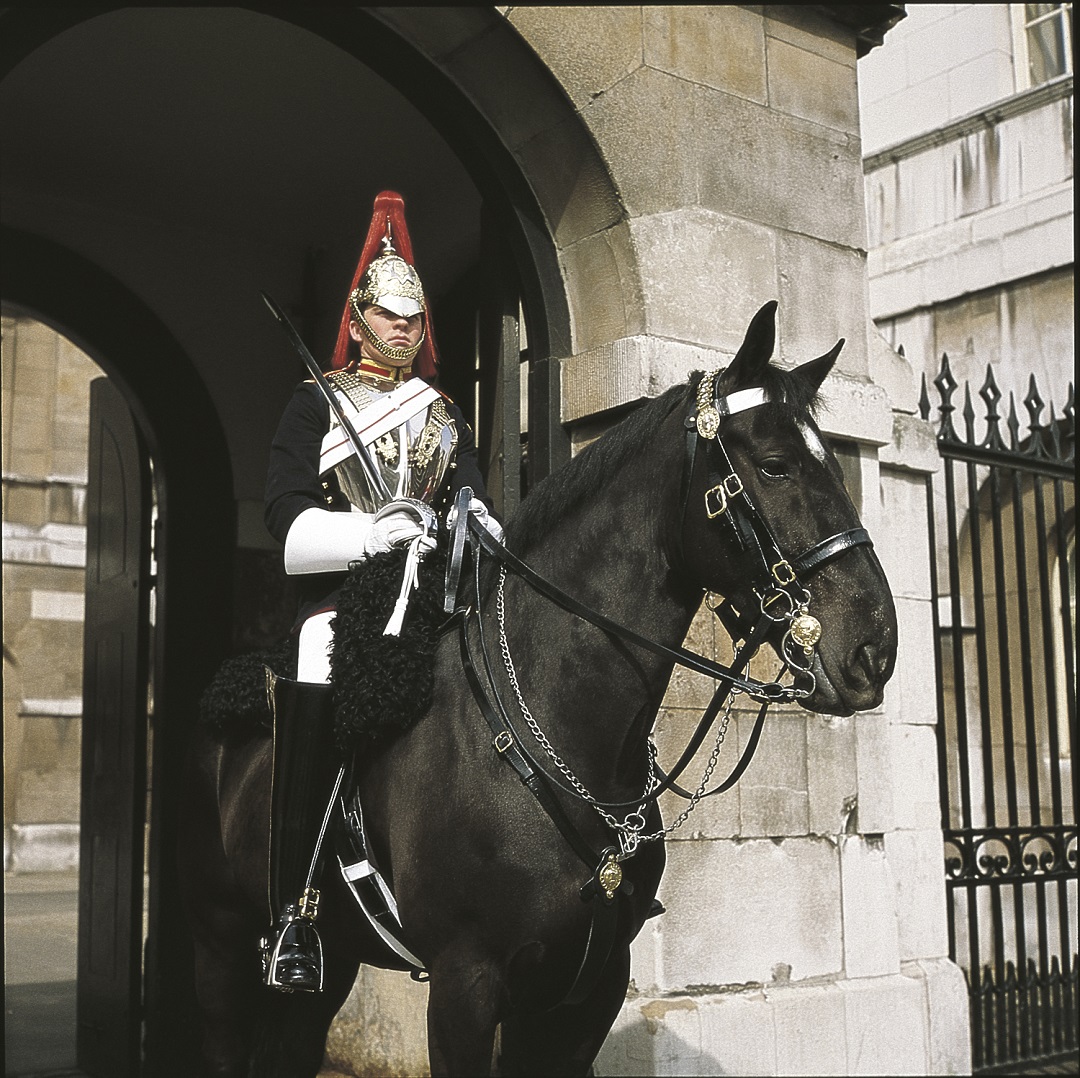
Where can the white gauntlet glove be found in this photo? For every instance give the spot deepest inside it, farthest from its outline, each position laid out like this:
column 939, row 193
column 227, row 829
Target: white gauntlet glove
column 479, row 510
column 394, row 525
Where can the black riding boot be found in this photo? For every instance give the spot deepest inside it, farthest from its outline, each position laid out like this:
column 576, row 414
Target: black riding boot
column 305, row 769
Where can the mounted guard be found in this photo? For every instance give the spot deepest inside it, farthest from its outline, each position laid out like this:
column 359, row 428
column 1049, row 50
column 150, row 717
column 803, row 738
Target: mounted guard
column 366, row 459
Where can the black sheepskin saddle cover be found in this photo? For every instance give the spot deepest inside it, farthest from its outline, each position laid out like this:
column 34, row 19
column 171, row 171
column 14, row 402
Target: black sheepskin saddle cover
column 382, row 685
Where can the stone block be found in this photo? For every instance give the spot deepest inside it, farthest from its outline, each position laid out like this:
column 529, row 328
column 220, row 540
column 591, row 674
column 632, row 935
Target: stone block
column 600, row 314
column 917, row 862
column 629, row 369
column 873, row 762
column 716, row 46
column 832, row 778
column 886, row 1025
column 949, row 1032
column 906, row 563
column 778, row 170
column 871, row 947
column 913, row 450
column 806, row 84
column 645, row 956
column 571, row 183
column 856, row 409
column 382, row 1027
column 773, row 797
column 713, row 817
column 749, row 912
column 691, row 1035
column 588, row 49
column 731, row 271
column 1042, row 246
column 52, row 605
column 811, row 1037
column 809, row 29
column 915, row 776
column 910, row 696
column 822, row 298
column 654, row 162
column 48, row 797
column 25, row 504
column 43, row 847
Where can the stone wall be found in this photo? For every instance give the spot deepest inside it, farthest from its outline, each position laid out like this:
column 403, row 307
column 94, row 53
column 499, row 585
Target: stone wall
column 805, row 930
column 46, row 405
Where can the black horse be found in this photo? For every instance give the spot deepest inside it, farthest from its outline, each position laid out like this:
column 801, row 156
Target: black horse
column 488, row 889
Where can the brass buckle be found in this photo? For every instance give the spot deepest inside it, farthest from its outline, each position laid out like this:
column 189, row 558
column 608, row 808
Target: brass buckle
column 309, row 903
column 503, row 741
column 722, row 493
column 783, row 573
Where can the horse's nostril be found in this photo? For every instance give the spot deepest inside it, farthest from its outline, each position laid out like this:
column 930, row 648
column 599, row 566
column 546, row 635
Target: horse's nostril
column 873, row 662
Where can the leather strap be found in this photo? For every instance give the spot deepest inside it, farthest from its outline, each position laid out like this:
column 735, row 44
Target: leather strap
column 830, row 548
column 678, row 654
column 457, row 549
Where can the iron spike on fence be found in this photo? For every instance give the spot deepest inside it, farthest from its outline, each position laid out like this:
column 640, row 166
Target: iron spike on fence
column 1035, row 405
column 991, row 396
column 924, row 398
column 946, row 387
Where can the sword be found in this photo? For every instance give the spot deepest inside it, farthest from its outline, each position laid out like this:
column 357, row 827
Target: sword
column 371, row 472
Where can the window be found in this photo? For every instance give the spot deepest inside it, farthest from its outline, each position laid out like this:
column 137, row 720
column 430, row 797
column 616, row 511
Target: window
column 1042, row 38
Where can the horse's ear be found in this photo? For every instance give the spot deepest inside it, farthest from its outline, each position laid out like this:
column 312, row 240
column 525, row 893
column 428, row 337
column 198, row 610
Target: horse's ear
column 816, row 371
column 756, row 349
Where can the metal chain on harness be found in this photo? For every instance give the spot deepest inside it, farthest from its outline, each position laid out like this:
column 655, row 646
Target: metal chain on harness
column 629, row 829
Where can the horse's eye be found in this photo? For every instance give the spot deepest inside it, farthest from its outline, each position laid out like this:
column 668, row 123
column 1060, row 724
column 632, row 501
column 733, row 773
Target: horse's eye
column 774, row 468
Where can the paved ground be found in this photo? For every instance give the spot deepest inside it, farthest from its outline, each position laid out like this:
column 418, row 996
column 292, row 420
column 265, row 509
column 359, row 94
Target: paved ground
column 41, row 940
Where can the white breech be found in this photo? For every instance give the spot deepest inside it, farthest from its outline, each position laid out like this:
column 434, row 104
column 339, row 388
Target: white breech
column 316, row 643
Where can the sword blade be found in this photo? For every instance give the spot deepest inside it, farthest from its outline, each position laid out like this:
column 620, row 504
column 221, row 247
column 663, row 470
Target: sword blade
column 372, row 473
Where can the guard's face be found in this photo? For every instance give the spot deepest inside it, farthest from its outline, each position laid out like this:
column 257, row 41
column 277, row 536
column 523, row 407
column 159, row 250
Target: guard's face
column 392, row 329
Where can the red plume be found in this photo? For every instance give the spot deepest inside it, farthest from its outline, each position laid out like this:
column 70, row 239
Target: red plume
column 389, row 206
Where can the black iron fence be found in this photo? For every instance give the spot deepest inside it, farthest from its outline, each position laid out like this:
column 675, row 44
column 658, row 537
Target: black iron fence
column 1003, row 573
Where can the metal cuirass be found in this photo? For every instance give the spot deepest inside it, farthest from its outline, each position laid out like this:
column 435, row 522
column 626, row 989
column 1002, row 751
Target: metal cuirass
column 408, row 433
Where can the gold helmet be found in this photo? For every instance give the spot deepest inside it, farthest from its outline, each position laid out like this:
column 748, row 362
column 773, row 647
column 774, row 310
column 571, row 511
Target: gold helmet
column 385, row 276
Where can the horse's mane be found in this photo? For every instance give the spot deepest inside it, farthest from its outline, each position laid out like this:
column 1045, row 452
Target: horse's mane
column 588, row 472
column 584, row 476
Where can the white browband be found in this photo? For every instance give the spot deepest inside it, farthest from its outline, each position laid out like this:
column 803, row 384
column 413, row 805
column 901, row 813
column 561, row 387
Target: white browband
column 740, row 401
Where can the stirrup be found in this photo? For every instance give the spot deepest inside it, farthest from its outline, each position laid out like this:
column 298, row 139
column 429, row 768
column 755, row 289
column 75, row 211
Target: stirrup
column 292, row 956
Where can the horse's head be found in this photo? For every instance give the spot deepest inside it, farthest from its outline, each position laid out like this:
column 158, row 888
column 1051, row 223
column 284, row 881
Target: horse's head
column 765, row 493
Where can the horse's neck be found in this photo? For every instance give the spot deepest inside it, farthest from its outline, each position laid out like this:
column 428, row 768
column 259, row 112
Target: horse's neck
column 599, row 694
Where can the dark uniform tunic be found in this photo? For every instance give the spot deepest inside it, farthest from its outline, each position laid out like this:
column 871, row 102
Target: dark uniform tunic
column 293, row 482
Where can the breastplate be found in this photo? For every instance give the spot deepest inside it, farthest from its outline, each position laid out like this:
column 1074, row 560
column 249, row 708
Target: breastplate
column 408, row 432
